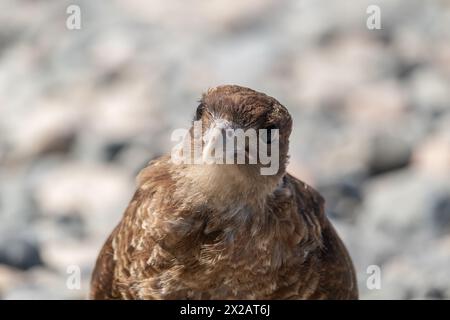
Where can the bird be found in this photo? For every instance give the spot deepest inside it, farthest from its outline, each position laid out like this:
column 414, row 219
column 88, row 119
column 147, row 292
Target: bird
column 199, row 231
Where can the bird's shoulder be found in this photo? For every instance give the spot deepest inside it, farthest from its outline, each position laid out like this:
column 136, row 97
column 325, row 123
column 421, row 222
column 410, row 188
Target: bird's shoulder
column 308, row 199
column 103, row 274
column 131, row 242
column 337, row 280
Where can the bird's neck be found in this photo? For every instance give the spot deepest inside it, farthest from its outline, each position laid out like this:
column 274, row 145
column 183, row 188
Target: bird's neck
column 222, row 186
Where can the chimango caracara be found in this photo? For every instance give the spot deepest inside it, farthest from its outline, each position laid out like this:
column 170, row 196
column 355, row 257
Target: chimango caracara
column 225, row 231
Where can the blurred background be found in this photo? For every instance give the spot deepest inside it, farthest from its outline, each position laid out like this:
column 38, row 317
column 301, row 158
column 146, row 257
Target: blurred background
column 82, row 111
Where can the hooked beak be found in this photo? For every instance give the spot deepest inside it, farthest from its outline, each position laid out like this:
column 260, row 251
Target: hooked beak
column 216, row 139
column 221, row 146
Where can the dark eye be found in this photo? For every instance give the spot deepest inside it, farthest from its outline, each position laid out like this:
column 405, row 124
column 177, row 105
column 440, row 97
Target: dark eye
column 199, row 112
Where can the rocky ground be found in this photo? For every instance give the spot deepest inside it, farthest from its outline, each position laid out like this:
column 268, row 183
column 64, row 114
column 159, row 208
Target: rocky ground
column 81, row 111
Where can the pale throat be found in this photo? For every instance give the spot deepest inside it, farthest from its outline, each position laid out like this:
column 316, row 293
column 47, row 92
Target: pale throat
column 228, row 184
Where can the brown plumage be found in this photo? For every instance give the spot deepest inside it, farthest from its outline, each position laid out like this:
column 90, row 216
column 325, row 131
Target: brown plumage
column 225, row 231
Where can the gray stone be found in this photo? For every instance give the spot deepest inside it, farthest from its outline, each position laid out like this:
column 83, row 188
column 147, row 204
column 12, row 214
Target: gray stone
column 441, row 214
column 388, row 153
column 19, row 252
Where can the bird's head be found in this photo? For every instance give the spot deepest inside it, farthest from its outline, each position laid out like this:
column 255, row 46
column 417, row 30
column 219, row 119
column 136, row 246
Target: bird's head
column 237, row 128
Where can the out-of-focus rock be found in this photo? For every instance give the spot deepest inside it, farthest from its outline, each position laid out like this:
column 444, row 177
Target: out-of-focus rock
column 122, row 113
column 48, row 128
column 429, row 88
column 65, row 253
column 343, row 200
column 396, row 206
column 443, row 57
column 112, row 50
column 441, row 214
column 376, row 105
column 388, row 153
column 19, row 251
column 432, row 156
column 419, row 273
column 9, row 278
column 400, row 203
column 330, row 74
column 219, row 15
column 98, row 193
column 46, row 285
